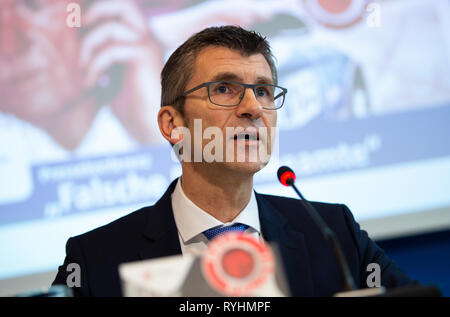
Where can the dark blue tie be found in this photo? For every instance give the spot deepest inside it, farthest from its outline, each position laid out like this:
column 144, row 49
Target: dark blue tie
column 214, row 232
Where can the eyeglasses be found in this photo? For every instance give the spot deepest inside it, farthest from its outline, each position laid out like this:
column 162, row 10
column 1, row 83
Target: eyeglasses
column 231, row 93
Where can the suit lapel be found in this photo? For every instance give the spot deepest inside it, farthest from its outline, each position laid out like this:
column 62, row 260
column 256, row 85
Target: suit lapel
column 161, row 230
column 162, row 235
column 291, row 245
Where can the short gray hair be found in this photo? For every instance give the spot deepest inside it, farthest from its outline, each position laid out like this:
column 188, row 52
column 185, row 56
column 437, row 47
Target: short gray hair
column 180, row 66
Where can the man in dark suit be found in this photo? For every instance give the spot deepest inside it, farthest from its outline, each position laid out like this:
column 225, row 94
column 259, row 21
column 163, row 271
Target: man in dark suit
column 223, row 81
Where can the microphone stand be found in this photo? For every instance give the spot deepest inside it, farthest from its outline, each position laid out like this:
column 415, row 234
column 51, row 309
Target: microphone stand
column 349, row 289
column 328, row 235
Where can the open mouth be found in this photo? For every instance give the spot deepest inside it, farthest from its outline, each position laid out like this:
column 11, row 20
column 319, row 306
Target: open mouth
column 247, row 137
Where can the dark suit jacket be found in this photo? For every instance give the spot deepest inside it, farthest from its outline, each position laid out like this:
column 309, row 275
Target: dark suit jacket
column 309, row 263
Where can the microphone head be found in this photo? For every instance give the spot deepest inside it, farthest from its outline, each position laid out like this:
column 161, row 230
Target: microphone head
column 286, row 176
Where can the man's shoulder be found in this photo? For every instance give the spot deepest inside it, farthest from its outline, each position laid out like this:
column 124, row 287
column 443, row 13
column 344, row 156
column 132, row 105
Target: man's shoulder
column 283, row 205
column 337, row 216
column 123, row 228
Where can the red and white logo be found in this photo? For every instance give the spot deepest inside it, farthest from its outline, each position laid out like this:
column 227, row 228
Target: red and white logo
column 236, row 264
column 336, row 13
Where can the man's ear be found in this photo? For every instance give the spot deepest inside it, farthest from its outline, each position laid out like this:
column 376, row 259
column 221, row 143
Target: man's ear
column 169, row 119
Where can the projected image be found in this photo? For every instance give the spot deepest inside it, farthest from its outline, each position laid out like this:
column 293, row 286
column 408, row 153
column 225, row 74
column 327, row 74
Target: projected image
column 61, row 79
column 367, row 105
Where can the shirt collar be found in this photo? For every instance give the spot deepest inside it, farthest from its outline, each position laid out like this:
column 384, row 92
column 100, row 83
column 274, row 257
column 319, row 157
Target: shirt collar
column 191, row 220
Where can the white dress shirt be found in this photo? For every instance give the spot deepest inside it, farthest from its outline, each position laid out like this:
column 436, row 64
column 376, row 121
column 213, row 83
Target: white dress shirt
column 191, row 221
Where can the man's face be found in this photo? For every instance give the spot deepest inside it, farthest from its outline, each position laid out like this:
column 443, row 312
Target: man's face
column 38, row 58
column 218, row 63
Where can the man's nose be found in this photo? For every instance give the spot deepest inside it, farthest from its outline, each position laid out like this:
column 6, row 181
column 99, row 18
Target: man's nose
column 13, row 39
column 250, row 106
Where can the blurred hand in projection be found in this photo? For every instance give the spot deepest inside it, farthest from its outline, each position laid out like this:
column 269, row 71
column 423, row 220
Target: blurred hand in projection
column 122, row 63
column 57, row 78
column 40, row 80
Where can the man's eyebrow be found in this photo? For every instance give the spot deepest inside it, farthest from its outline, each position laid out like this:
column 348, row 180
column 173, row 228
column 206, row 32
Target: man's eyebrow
column 234, row 77
column 264, row 80
column 226, row 76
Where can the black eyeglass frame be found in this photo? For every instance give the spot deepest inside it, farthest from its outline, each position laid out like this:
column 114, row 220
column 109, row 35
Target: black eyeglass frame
column 252, row 86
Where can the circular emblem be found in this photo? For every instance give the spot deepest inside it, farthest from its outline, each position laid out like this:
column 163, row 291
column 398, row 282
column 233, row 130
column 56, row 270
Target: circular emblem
column 336, row 13
column 236, row 264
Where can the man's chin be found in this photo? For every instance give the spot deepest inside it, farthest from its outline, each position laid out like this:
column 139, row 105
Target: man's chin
column 248, row 168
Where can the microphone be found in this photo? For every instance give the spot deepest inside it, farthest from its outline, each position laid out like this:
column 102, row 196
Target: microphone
column 287, row 177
